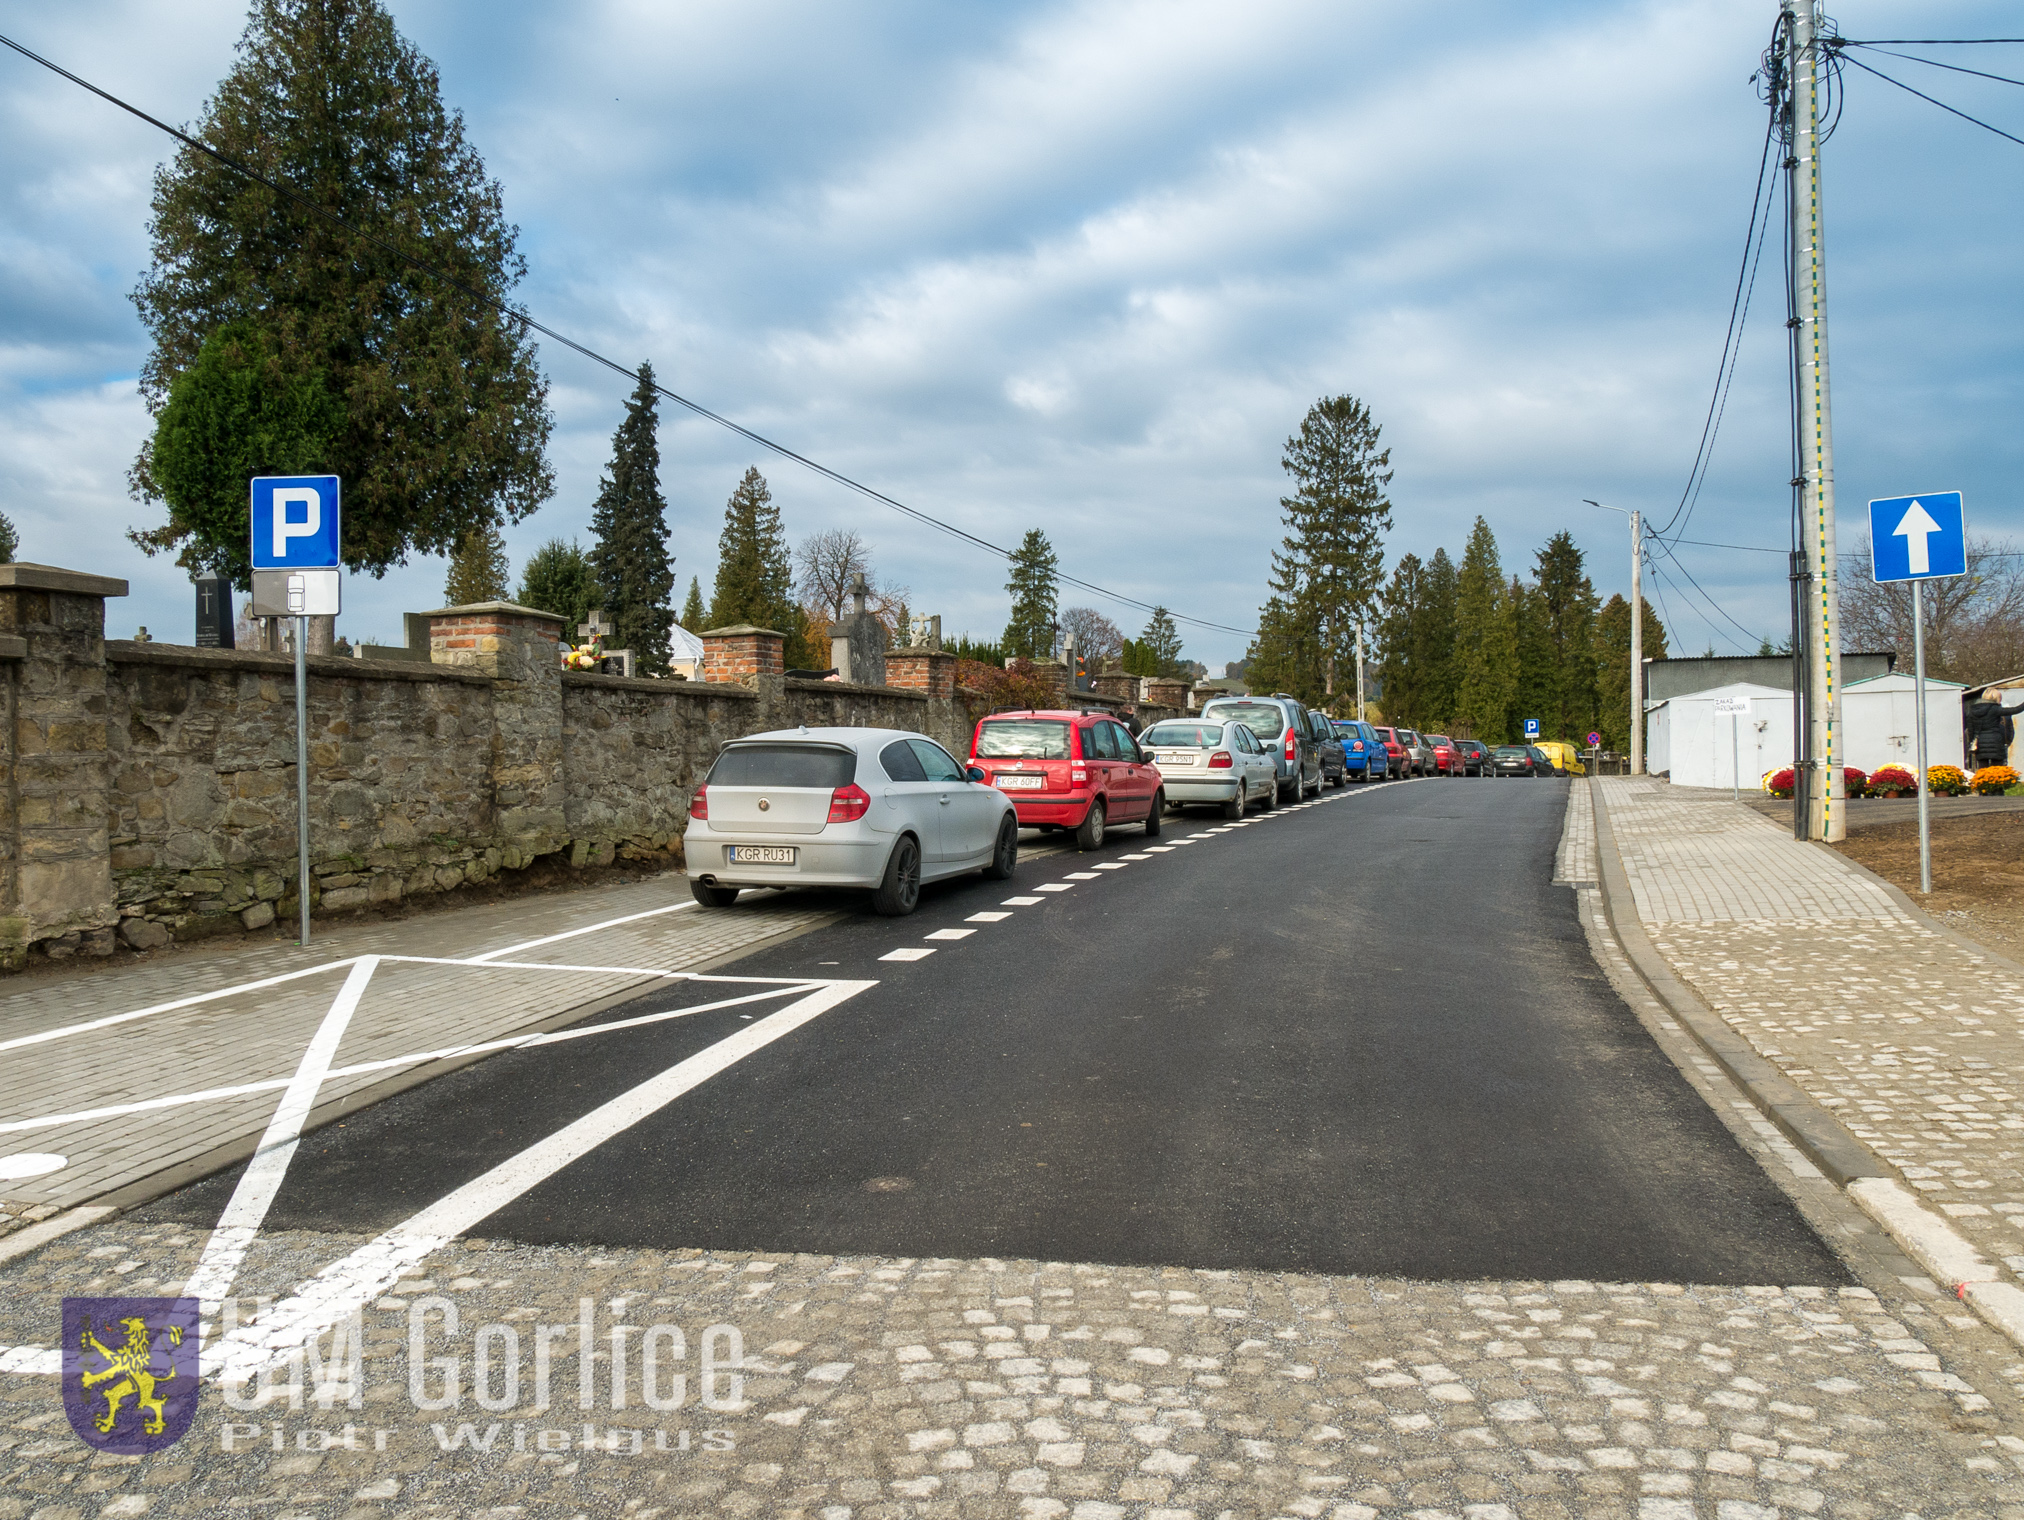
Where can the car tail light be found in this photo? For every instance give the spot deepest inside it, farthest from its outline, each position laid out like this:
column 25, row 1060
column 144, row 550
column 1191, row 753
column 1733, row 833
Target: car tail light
column 699, row 805
column 1292, row 746
column 1078, row 777
column 1220, row 761
column 1357, row 747
column 847, row 803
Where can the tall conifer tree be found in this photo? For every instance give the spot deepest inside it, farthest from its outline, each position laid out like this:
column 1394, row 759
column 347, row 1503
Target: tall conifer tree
column 694, row 616
column 1612, row 676
column 557, row 579
column 1566, row 605
column 1030, row 633
column 630, row 521
column 755, row 575
column 1485, row 660
column 1434, row 639
column 1401, row 645
column 478, row 568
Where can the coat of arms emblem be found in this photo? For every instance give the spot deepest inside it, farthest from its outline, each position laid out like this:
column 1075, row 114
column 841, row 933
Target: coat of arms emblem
column 130, row 1371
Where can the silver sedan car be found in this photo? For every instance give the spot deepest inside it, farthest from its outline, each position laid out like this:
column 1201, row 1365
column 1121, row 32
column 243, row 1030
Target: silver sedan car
column 1209, row 760
column 844, row 807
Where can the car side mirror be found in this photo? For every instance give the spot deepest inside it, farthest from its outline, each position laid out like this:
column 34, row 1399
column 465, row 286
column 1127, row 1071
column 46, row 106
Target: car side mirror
column 976, row 773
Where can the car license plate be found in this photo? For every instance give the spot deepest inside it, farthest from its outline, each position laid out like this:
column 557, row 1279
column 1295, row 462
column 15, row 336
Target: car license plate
column 761, row 855
column 1016, row 783
column 1183, row 758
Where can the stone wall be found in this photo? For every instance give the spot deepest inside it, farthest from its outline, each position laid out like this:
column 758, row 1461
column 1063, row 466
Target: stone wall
column 150, row 791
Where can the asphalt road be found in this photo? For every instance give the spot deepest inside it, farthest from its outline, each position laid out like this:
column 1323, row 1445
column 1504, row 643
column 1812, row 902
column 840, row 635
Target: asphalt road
column 1365, row 1036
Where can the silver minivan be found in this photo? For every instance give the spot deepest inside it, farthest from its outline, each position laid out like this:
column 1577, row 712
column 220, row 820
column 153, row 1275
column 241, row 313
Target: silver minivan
column 1279, row 723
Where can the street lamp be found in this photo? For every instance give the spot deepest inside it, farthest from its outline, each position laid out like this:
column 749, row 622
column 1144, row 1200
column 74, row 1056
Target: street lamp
column 1637, row 735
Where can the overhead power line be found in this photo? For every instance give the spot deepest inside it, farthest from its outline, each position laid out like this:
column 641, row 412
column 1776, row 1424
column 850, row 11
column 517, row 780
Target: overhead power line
column 1934, row 63
column 515, row 314
column 1930, row 100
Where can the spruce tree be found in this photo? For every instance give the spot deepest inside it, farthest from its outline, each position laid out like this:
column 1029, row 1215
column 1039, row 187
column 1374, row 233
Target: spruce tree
column 1434, row 640
column 10, row 541
column 557, row 578
column 1030, row 633
column 478, row 568
column 635, row 574
column 1566, row 612
column 1402, row 645
column 693, row 615
column 1612, row 676
column 755, row 576
column 1538, row 687
column 1486, row 675
column 429, row 405
column 1161, row 641
column 1333, row 554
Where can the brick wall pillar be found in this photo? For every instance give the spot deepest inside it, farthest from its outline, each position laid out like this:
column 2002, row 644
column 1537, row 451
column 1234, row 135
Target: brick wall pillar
column 520, row 648
column 738, row 654
column 928, row 670
column 1117, row 686
column 55, row 842
column 1055, row 674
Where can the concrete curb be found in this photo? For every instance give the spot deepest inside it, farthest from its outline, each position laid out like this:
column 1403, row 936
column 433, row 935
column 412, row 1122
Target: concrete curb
column 1821, row 1138
column 35, row 1236
column 1949, row 1257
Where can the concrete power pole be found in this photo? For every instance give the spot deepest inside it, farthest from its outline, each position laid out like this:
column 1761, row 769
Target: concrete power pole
column 1637, row 645
column 1826, row 817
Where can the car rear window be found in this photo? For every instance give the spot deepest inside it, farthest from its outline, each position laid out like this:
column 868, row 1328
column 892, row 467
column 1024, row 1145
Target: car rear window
column 1262, row 718
column 1512, row 751
column 1023, row 739
column 1182, row 736
column 809, row 765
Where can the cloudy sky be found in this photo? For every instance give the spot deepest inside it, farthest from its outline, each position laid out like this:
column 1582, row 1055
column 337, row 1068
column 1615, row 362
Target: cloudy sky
column 1083, row 267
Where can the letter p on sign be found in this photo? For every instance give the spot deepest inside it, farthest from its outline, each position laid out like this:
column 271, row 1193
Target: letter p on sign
column 295, row 522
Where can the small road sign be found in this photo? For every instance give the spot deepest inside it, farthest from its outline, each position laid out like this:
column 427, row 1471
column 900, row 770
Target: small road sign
column 295, row 523
column 1917, row 538
column 1531, row 728
column 1595, row 741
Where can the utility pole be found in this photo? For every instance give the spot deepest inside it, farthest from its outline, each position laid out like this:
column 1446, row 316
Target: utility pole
column 1637, row 643
column 1826, row 807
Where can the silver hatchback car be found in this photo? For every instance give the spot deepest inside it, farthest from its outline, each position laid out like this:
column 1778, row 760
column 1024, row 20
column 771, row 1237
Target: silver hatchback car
column 876, row 808
column 1211, row 760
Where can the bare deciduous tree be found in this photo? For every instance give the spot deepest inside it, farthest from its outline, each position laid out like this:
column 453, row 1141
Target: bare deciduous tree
column 1974, row 622
column 1096, row 636
column 828, row 563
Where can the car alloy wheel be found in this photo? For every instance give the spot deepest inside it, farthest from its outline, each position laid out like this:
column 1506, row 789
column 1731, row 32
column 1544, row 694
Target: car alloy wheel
column 900, row 893
column 1159, row 809
column 1234, row 808
column 1089, row 833
column 1005, row 858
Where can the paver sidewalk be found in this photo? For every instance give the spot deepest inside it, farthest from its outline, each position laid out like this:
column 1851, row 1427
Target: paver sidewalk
column 1913, row 1039
column 560, row 953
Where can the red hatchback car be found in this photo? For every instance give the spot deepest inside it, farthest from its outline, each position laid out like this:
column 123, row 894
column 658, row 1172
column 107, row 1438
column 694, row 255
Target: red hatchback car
column 1396, row 759
column 1069, row 770
column 1447, row 755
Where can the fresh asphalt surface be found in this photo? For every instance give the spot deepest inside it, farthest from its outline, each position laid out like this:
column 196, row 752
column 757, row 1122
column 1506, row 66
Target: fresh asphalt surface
column 1362, row 1037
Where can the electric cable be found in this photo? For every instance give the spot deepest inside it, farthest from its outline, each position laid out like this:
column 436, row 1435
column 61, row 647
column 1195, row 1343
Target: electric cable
column 1702, row 543
column 1934, row 63
column 1930, row 100
column 1680, row 566
column 1713, row 627
column 516, row 314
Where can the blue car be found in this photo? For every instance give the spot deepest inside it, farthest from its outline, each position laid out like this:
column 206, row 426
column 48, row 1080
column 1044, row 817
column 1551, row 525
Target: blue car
column 1362, row 750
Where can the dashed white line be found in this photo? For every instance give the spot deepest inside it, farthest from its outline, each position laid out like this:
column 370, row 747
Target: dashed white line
column 908, row 953
column 989, row 918
column 952, row 934
column 1141, row 857
column 1057, row 886
column 1024, row 902
column 1111, row 865
column 1156, row 849
column 1081, row 876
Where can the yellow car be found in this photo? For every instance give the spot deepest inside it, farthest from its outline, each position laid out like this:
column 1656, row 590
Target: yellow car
column 1565, row 757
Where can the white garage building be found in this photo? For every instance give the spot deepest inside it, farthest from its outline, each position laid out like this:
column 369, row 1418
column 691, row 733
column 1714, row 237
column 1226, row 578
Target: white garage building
column 1684, row 738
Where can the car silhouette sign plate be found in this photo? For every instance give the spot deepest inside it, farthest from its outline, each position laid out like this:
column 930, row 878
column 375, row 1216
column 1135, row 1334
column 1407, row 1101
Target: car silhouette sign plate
column 761, row 855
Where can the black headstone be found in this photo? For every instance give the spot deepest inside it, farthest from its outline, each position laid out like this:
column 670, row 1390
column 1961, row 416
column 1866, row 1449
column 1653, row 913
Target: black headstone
column 214, row 612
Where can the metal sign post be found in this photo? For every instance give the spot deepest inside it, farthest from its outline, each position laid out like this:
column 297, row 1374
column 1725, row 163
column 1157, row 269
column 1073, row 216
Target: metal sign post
column 296, row 575
column 1736, row 709
column 1919, row 538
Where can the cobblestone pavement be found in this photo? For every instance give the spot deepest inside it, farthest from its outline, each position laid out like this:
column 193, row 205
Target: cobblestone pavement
column 259, row 1034
column 1913, row 1039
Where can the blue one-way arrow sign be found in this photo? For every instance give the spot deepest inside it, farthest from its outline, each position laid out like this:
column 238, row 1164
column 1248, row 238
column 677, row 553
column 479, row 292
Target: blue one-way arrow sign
column 1918, row 538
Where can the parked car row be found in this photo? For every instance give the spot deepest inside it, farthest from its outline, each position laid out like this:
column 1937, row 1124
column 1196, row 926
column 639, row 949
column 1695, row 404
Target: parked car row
column 888, row 811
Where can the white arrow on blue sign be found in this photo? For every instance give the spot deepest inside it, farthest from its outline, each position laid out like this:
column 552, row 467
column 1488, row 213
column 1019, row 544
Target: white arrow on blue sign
column 1918, row 538
column 295, row 522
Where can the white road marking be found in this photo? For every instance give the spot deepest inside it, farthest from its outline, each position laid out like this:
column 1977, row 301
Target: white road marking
column 1057, row 886
column 1024, row 902
column 1156, row 849
column 346, row 1286
column 1081, row 876
column 610, row 923
column 908, row 953
column 1142, row 857
column 254, row 1195
column 952, row 934
column 1111, row 865
column 988, row 918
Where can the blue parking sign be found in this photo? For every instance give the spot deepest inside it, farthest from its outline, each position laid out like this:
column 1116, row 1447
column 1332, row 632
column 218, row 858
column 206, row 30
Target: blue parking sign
column 295, row 522
column 1917, row 538
column 1531, row 728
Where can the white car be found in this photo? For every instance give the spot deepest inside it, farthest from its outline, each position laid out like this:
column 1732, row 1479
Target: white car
column 844, row 807
column 1209, row 760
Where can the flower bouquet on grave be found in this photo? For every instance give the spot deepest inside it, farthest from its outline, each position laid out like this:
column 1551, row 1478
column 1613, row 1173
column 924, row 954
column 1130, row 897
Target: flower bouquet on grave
column 588, row 655
column 1779, row 783
column 1892, row 781
column 1992, row 780
column 1946, row 781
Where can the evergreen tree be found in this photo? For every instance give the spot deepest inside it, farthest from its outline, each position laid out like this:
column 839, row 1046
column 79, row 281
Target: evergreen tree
column 693, row 616
column 430, row 406
column 10, row 541
column 1402, row 645
column 1434, row 640
column 1030, row 633
column 755, row 577
column 1486, row 674
column 557, row 578
column 1566, row 604
column 478, row 568
column 1331, row 563
column 1537, row 687
column 1161, row 641
column 1612, row 676
column 630, row 559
